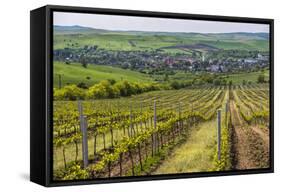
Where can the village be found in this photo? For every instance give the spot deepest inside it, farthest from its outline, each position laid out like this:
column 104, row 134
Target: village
column 159, row 60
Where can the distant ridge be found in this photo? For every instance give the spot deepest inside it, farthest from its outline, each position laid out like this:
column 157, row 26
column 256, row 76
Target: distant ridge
column 74, row 29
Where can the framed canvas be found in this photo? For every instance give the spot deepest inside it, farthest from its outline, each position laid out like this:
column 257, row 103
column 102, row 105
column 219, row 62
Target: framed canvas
column 123, row 95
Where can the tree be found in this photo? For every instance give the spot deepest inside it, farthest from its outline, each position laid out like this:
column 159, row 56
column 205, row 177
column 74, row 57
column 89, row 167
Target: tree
column 111, row 81
column 230, row 83
column 102, row 90
column 166, row 77
column 175, row 85
column 125, row 88
column 83, row 61
column 84, row 64
column 69, row 92
column 97, row 91
column 261, row 79
column 82, row 85
column 217, row 82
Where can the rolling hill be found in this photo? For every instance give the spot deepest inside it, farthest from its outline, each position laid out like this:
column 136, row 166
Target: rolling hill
column 147, row 41
column 75, row 29
column 75, row 73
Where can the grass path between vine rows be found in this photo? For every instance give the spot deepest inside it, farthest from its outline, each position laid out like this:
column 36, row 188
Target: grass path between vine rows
column 194, row 155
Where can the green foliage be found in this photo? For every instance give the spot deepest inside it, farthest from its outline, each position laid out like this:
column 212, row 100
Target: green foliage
column 225, row 159
column 261, row 79
column 93, row 74
column 217, row 82
column 111, row 81
column 179, row 84
column 150, row 162
column 69, row 92
column 83, row 61
column 114, row 114
column 82, row 85
column 166, row 77
column 175, row 85
column 73, row 172
column 106, row 89
column 127, row 88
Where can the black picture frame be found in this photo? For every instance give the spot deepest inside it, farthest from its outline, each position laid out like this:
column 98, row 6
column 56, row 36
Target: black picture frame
column 41, row 41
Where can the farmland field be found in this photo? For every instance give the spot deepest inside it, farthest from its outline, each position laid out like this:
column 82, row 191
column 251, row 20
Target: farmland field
column 125, row 127
column 150, row 41
column 74, row 74
column 163, row 100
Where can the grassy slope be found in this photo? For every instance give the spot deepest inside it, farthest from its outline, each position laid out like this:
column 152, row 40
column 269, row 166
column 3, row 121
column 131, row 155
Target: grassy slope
column 195, row 154
column 252, row 76
column 117, row 41
column 237, row 78
column 75, row 73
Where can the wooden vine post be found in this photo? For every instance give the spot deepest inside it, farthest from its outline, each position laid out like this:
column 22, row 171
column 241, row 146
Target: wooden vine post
column 131, row 121
column 226, row 112
column 83, row 127
column 156, row 139
column 154, row 126
column 180, row 121
column 219, row 134
column 141, row 116
column 192, row 118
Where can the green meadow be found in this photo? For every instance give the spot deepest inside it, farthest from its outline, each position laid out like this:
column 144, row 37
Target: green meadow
column 75, row 73
column 238, row 78
column 149, row 42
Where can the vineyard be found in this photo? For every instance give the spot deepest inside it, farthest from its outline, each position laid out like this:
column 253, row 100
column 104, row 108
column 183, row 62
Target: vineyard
column 133, row 136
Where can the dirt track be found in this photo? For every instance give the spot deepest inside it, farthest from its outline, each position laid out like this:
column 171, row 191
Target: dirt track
column 250, row 143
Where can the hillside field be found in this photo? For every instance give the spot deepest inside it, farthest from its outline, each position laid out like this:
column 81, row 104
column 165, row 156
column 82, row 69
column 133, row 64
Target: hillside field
column 149, row 41
column 75, row 73
column 180, row 103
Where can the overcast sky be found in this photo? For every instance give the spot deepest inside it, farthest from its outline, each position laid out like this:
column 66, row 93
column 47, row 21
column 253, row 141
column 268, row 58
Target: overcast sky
column 129, row 23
